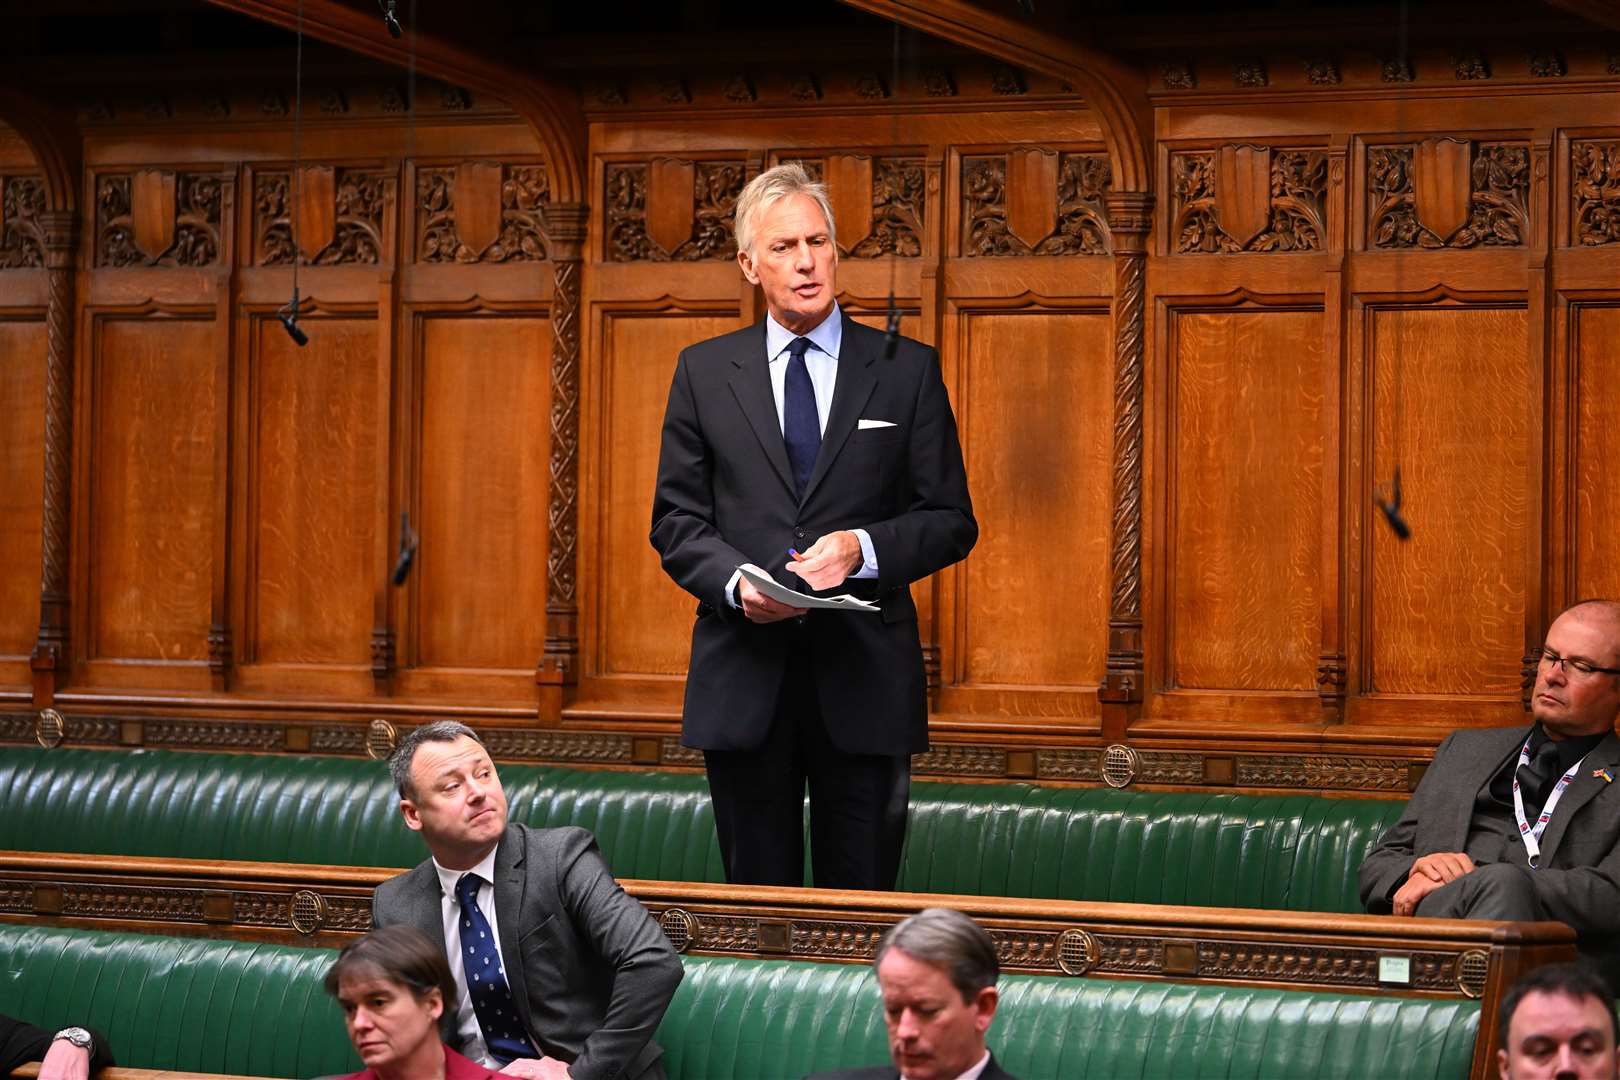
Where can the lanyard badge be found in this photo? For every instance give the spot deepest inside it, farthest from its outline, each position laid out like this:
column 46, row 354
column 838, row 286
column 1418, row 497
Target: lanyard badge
column 1532, row 833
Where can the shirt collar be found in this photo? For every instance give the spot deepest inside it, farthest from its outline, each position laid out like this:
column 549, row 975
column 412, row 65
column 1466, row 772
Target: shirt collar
column 1570, row 750
column 827, row 336
column 448, row 878
column 973, row 1072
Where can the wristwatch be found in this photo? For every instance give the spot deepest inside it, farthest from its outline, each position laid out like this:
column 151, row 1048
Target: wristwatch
column 77, row 1036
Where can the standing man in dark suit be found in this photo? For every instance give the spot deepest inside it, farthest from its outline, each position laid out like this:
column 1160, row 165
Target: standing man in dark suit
column 809, row 446
column 558, row 973
column 1522, row 823
column 938, row 971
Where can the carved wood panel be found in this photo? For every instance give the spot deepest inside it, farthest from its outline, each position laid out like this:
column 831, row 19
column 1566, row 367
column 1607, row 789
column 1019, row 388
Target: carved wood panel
column 1595, row 507
column 896, row 191
column 1451, row 405
column 22, row 471
column 151, row 496
column 357, row 209
column 1595, row 196
column 481, row 212
column 1248, row 198
column 159, row 218
column 22, row 236
column 313, row 492
column 703, row 193
column 1448, row 193
column 1246, row 500
column 481, row 497
column 993, row 205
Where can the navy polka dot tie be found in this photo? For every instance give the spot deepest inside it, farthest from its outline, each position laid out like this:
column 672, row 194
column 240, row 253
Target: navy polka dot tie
column 491, row 997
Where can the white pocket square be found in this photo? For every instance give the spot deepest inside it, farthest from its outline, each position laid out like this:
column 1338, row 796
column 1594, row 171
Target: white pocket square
column 863, row 424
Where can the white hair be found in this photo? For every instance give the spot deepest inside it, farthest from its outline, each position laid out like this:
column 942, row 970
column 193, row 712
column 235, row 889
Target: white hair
column 768, row 187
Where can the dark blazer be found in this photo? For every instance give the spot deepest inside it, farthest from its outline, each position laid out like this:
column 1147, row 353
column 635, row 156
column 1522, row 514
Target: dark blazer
column 992, row 1071
column 22, row 1042
column 725, row 497
column 590, row 971
column 1578, row 881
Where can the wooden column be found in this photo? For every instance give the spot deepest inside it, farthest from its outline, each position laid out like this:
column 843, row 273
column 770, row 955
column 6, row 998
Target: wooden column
column 566, row 225
column 1129, row 220
column 50, row 657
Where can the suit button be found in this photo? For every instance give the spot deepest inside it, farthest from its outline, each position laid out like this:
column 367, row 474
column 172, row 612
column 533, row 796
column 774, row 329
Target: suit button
column 799, row 533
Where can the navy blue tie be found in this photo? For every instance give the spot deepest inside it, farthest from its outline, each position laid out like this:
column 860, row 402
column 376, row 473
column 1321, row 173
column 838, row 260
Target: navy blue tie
column 801, row 423
column 491, row 997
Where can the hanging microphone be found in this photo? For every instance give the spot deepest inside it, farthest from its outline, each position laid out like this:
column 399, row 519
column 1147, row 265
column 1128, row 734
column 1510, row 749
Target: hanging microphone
column 407, row 549
column 289, row 320
column 1391, row 508
column 390, row 19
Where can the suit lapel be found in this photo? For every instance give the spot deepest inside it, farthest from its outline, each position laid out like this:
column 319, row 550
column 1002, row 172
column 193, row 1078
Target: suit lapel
column 1582, row 790
column 426, row 911
column 751, row 383
column 510, row 881
column 1476, row 772
column 851, row 391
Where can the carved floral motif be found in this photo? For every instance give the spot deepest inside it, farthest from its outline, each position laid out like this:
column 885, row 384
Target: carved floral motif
column 1595, row 183
column 1080, row 229
column 362, row 199
column 1298, row 204
column 525, row 189
column 898, row 191
column 1497, row 212
column 961, row 761
column 22, row 244
column 716, row 185
column 198, row 207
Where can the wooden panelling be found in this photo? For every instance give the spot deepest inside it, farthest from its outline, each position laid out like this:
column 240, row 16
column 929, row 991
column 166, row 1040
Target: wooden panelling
column 313, row 489
column 152, row 483
column 1451, row 407
column 1246, row 500
column 482, row 489
column 1596, row 472
column 1036, row 410
column 645, row 619
column 22, row 432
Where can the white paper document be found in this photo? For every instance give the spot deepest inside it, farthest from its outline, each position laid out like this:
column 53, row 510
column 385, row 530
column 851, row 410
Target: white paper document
column 783, row 595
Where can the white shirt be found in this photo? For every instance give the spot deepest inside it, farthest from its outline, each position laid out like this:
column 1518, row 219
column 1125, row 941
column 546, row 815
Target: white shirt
column 821, row 360
column 466, row 1021
column 971, row 1074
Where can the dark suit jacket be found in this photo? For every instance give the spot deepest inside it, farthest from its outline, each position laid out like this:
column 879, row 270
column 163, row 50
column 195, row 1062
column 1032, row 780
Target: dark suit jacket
column 992, row 1071
column 1578, row 881
column 22, row 1042
column 725, row 497
column 590, row 971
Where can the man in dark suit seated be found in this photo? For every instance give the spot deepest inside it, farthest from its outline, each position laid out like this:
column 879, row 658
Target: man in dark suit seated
column 1558, row 1021
column 816, row 451
column 1522, row 823
column 938, row 972
column 70, row 1054
column 559, row 974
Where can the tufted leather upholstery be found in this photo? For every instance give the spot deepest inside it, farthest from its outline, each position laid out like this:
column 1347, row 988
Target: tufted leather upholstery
column 169, row 1003
column 1291, row 852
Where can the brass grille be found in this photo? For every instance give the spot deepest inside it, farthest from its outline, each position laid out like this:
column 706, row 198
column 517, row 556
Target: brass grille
column 1076, row 951
column 1472, row 968
column 306, row 911
column 49, row 728
column 381, row 737
column 680, row 926
column 1119, row 765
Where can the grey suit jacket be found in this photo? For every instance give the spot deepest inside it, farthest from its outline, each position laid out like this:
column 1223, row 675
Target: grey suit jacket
column 992, row 1071
column 590, row 970
column 1578, row 881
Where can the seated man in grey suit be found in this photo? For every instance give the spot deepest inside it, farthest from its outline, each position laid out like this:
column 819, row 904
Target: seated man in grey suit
column 938, row 972
column 1522, row 823
column 558, row 973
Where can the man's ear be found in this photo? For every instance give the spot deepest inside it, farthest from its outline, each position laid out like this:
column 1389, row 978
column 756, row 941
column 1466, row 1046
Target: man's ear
column 413, row 820
column 1502, row 1064
column 746, row 261
column 984, row 1006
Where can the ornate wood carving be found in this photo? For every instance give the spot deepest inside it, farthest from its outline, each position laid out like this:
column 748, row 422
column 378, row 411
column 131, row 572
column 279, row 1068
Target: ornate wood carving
column 220, row 655
column 1161, row 767
column 1298, row 963
column 893, row 223
column 360, row 206
column 1332, row 676
column 175, row 221
column 1495, row 192
column 1286, row 203
column 716, row 185
column 954, row 760
column 1081, row 224
column 214, row 735
column 78, row 730
column 1468, row 65
column 338, row 739
column 672, row 753
column 1081, row 766
column 563, row 747
column 1322, row 71
column 1249, row 73
column 58, row 235
column 566, row 226
column 517, row 234
column 1595, row 193
column 22, row 237
column 1396, row 69
column 1323, row 772
column 1178, row 75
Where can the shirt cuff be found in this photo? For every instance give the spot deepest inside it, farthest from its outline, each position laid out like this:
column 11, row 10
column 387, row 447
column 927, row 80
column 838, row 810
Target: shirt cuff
column 869, row 569
column 731, row 590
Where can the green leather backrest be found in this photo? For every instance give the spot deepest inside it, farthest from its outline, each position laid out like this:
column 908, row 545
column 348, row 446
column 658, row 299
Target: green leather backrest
column 1291, row 852
column 180, row 1003
column 773, row 1020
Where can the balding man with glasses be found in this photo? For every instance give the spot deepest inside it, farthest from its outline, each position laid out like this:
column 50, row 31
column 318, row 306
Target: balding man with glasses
column 1522, row 823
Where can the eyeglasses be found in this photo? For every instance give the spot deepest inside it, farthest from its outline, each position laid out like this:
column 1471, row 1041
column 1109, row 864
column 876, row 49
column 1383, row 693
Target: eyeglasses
column 1574, row 665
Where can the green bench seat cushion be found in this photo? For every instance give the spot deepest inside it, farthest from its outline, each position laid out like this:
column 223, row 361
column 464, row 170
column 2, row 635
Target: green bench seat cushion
column 1296, row 853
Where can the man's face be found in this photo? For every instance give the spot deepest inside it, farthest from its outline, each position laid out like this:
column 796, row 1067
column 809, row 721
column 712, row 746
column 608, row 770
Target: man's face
column 457, row 805
column 386, row 1022
column 794, row 262
column 1554, row 1035
column 933, row 1033
column 1568, row 702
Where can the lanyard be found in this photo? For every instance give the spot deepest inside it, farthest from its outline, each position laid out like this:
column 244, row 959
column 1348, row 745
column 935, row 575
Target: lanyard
column 1532, row 833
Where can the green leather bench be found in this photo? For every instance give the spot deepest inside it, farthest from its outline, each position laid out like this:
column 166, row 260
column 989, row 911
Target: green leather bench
column 1295, row 853
column 222, row 1006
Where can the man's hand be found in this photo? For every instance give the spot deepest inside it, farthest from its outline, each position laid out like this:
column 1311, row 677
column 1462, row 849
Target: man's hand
column 64, row 1061
column 546, row 1068
column 761, row 608
column 829, row 561
column 1427, row 875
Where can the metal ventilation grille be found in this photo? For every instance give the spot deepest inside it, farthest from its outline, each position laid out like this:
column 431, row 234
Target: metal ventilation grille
column 306, row 911
column 49, row 728
column 1472, row 968
column 680, row 926
column 381, row 738
column 1076, row 952
column 1120, row 765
